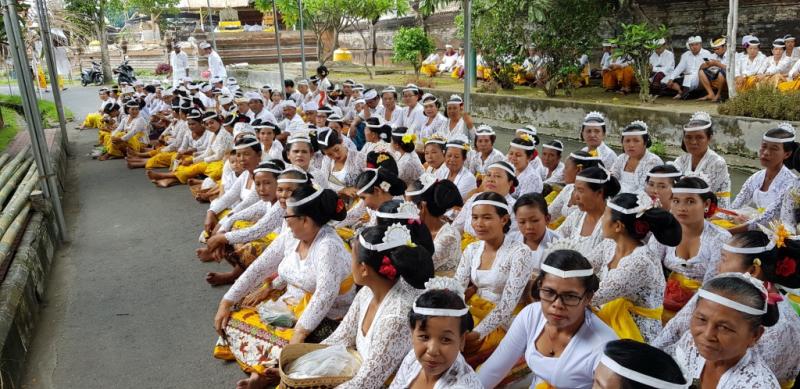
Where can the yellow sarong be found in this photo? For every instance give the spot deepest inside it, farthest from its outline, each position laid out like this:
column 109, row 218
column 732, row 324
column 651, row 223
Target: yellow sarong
column 111, row 149
column 787, row 385
column 479, row 308
column 160, row 159
column 429, row 70
column 93, row 120
column 787, row 86
column 617, row 314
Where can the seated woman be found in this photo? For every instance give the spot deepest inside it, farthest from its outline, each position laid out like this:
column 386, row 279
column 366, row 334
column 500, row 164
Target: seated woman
column 208, row 189
column 632, row 166
column 560, row 204
column 695, row 259
column 759, row 200
column 631, row 290
column 532, row 220
column 459, row 122
column 208, row 162
column 700, row 158
column 498, row 269
column 551, row 160
column 390, row 269
column 243, row 235
column 374, row 187
column 455, row 170
column 776, row 67
column 593, row 186
column 94, row 119
column 267, row 132
column 301, row 147
column 559, row 337
column 313, row 283
column 499, row 179
column 409, row 167
column 341, row 165
column 336, row 123
column 629, row 364
column 753, row 252
column 378, row 135
column 730, row 316
column 435, row 198
column 170, row 140
column 520, row 152
column 131, row 133
column 434, row 153
column 110, row 121
column 593, row 133
column 659, row 182
column 485, row 154
column 439, row 320
column 435, row 122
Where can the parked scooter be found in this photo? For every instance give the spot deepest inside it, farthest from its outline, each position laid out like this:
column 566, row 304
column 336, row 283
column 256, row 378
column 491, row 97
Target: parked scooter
column 93, row 75
column 124, row 73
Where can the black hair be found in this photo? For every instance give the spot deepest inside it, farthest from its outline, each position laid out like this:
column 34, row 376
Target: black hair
column 396, row 186
column 535, row 200
column 150, row 89
column 383, row 160
column 755, row 238
column 266, row 124
column 384, row 131
column 665, row 168
column 111, row 108
column 660, row 222
column 637, row 127
column 275, row 164
column 784, row 269
column 556, row 143
column 460, row 147
column 330, row 136
column 644, row 359
column 296, row 174
column 698, row 183
column 793, row 161
column 440, row 299
column 288, row 83
column 212, row 116
column 398, row 140
column 698, row 123
column 420, row 234
column 568, row 260
column 439, row 197
column 743, row 292
column 594, row 122
column 492, row 196
column 526, row 143
column 610, row 188
column 321, row 210
column 437, row 144
column 246, row 139
column 313, row 145
column 412, row 264
column 585, row 163
column 394, row 93
column 512, row 178
column 323, row 71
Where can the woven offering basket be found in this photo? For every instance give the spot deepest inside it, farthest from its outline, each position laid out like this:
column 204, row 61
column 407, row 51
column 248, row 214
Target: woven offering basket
column 293, row 351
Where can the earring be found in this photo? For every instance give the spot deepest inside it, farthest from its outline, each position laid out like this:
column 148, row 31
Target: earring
column 706, row 209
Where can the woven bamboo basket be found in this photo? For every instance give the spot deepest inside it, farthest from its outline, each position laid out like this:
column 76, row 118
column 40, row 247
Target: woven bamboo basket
column 293, row 351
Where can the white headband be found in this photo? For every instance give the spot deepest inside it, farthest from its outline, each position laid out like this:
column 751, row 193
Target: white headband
column 597, row 124
column 732, row 304
column 440, row 311
column 638, row 377
column 567, row 273
column 369, row 184
column 267, row 170
column 455, row 145
column 547, row 146
column 748, row 250
column 427, row 180
column 396, row 235
column 778, row 140
column 691, row 190
column 632, row 133
column 407, row 210
column 292, row 180
column 326, row 138
column 250, row 143
column 436, row 141
column 310, row 197
column 492, row 203
column 698, row 128
column 299, row 139
column 665, row 175
column 485, row 131
column 595, row 180
column 582, row 158
column 523, row 147
column 504, row 167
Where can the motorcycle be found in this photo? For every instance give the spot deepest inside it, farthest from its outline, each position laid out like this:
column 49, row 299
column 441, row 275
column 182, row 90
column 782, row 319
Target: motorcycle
column 124, row 73
column 93, row 75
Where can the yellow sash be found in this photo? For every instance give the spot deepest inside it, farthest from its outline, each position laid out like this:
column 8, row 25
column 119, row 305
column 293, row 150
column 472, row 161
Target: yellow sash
column 346, row 234
column 556, row 223
column 479, row 308
column 724, row 223
column 466, row 240
column 787, row 385
column 686, row 282
column 551, row 196
column 617, row 314
column 544, row 385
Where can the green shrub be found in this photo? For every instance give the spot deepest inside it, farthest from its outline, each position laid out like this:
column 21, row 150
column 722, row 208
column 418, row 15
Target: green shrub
column 659, row 148
column 764, row 102
column 412, row 45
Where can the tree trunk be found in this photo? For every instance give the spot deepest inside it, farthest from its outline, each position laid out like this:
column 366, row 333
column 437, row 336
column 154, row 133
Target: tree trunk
column 374, row 40
column 101, row 30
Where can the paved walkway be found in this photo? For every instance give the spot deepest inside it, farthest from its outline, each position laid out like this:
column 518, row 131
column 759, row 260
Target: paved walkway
column 126, row 304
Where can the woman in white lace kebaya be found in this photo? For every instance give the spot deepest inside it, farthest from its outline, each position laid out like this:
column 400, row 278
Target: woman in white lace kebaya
column 699, row 158
column 695, row 259
column 373, row 188
column 435, row 122
column 759, row 200
column 434, row 198
column 313, row 283
column 659, row 182
column 391, row 271
column 551, row 161
column 301, row 151
column 631, row 290
column 341, row 165
column 459, row 122
column 559, row 337
column 561, row 206
column 434, row 153
column 439, row 320
column 632, row 166
column 520, row 152
column 532, row 220
column 409, row 167
column 593, row 133
column 377, row 134
column 485, row 154
column 499, row 268
column 593, row 186
column 731, row 313
column 267, row 132
column 754, row 253
column 455, row 168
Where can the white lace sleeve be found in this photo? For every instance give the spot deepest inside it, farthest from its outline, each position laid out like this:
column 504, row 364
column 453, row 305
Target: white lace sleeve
column 405, row 374
column 657, row 250
column 460, row 222
column 519, row 268
column 265, row 265
column 252, row 198
column 249, row 214
column 675, row 328
column 231, row 195
column 745, row 195
column 345, row 333
column 619, row 166
column 447, row 251
column 271, row 221
column 558, row 204
column 327, row 259
column 391, row 340
column 354, row 215
column 410, row 168
column 711, row 250
column 465, row 265
column 722, row 182
column 788, row 206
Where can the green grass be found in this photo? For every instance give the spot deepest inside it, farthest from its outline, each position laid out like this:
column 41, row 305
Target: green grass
column 11, row 128
column 47, row 108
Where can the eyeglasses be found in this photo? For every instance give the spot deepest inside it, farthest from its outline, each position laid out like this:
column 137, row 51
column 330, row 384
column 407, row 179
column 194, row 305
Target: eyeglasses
column 568, row 299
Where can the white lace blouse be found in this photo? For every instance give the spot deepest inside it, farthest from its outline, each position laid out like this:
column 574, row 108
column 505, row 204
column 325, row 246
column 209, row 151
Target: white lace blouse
column 703, row 265
column 237, row 197
column 571, row 229
column 409, row 167
column 502, row 284
column 464, row 180
column 530, row 181
column 346, row 177
column 388, row 340
column 715, row 168
column 634, row 182
column 437, row 126
column 326, row 265
column 463, row 221
column 749, row 373
column 478, row 166
column 267, row 217
column 459, row 376
column 574, row 368
column 560, row 205
column 447, row 249
column 537, row 255
column 606, row 154
column 636, row 278
column 555, row 176
column 770, row 201
column 777, row 346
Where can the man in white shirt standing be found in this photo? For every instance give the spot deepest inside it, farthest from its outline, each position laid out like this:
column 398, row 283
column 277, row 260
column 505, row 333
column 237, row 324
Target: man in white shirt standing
column 713, row 71
column 662, row 63
column 215, row 65
column 684, row 79
column 179, row 62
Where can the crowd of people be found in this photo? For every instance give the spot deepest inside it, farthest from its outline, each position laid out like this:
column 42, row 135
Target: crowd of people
column 445, row 259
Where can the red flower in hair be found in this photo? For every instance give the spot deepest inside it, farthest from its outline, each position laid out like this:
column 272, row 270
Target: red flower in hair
column 641, row 227
column 387, row 269
column 712, row 209
column 339, row 205
column 371, row 165
column 786, row 267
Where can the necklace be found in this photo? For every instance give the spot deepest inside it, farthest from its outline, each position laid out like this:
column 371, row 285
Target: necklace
column 552, row 340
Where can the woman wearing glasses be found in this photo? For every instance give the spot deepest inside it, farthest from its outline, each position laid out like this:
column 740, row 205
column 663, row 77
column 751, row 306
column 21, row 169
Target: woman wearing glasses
column 559, row 337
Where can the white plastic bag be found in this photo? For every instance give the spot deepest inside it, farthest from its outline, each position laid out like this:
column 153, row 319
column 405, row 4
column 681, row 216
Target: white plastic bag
column 276, row 313
column 333, row 361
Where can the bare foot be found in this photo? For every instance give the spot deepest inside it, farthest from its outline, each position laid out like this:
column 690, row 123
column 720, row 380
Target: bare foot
column 103, row 157
column 677, row 97
column 204, row 254
column 705, row 98
column 152, row 176
column 166, row 182
column 217, row 279
column 258, row 381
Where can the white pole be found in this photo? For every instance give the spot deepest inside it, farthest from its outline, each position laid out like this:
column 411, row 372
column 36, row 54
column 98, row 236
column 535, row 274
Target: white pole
column 468, row 63
column 302, row 40
column 278, row 46
column 733, row 18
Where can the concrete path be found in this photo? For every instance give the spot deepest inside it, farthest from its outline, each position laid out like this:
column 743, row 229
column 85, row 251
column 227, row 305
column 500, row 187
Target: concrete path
column 126, row 304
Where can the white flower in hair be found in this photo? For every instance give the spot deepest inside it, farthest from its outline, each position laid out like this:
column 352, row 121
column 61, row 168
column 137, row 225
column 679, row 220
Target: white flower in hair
column 788, row 127
column 408, row 208
column 639, row 123
column 702, row 116
column 594, row 115
column 445, row 283
column 427, row 179
column 484, row 128
column 397, row 233
column 385, row 186
column 459, row 138
column 644, row 203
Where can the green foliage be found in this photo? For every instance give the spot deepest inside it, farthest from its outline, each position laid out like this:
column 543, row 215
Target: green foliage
column 11, row 128
column 412, row 45
column 659, row 148
column 764, row 102
column 637, row 42
column 47, row 108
